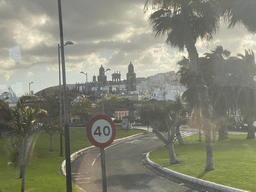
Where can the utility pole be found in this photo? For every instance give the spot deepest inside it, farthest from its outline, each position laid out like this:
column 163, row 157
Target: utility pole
column 67, row 144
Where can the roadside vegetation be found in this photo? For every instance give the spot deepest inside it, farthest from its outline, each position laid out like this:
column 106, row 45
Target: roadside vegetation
column 234, row 161
column 203, row 77
column 43, row 169
column 218, row 88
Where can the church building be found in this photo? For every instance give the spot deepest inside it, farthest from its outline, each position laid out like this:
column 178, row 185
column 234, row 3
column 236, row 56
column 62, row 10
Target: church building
column 116, row 85
column 131, row 78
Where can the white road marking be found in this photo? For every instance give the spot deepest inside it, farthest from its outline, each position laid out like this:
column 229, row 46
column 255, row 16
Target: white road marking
column 88, row 178
column 84, row 182
column 95, row 159
column 112, row 145
column 134, row 141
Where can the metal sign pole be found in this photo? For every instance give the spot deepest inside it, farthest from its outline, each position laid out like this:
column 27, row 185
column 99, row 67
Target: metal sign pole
column 103, row 167
column 101, row 133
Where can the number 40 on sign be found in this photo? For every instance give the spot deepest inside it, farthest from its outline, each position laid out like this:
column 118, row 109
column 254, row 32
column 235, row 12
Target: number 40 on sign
column 101, row 131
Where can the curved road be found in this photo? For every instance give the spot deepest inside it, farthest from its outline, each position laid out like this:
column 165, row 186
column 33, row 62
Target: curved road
column 125, row 170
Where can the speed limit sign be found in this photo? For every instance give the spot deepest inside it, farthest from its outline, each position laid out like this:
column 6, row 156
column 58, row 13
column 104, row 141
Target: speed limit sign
column 101, row 131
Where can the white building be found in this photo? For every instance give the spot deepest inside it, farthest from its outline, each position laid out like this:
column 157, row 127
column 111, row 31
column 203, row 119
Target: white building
column 172, row 91
column 167, row 93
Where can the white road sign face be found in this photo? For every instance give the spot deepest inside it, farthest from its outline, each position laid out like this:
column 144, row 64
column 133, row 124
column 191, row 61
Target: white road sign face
column 101, row 131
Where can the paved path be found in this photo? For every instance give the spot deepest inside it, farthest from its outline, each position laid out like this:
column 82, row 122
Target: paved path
column 125, row 171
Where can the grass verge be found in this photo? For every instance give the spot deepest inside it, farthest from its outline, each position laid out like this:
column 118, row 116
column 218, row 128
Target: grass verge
column 43, row 171
column 234, row 161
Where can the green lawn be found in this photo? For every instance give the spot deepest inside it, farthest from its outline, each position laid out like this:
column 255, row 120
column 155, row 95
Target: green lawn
column 43, row 172
column 234, row 161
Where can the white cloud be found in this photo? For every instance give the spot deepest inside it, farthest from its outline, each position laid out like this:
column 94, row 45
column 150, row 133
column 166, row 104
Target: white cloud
column 6, row 74
column 120, row 27
column 7, row 64
column 235, row 40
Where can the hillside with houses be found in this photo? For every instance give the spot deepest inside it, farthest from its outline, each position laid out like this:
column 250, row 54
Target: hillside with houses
column 162, row 86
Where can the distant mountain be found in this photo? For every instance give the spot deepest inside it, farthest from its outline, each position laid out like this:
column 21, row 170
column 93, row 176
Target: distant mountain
column 51, row 89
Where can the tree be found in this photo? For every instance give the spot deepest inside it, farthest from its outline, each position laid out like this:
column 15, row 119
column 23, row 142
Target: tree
column 247, row 91
column 23, row 121
column 220, row 97
column 230, row 86
column 163, row 116
column 184, row 22
column 179, row 108
column 51, row 129
column 50, row 102
column 237, row 11
column 82, row 108
column 241, row 12
column 233, row 87
column 113, row 103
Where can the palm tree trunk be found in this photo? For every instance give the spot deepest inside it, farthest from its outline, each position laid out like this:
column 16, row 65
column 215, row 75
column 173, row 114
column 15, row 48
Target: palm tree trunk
column 21, row 171
column 227, row 121
column 193, row 56
column 200, row 133
column 51, row 148
column 61, row 147
column 209, row 158
column 222, row 134
column 23, row 178
column 214, row 135
column 207, row 126
column 251, row 131
column 23, row 162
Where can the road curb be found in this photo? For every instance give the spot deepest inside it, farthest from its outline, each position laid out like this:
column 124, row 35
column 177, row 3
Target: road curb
column 208, row 184
column 76, row 154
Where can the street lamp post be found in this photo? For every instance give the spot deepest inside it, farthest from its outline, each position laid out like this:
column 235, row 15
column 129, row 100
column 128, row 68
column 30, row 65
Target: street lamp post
column 67, row 144
column 59, row 47
column 29, row 87
column 85, row 82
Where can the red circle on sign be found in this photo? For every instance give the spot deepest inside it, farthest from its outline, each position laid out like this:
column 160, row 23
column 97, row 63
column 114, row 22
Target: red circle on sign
column 96, row 132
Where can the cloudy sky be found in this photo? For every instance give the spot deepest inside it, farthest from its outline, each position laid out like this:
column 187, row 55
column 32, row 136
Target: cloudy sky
column 111, row 33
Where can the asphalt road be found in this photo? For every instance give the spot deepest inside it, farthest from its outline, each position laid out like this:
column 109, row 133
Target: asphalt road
column 125, row 170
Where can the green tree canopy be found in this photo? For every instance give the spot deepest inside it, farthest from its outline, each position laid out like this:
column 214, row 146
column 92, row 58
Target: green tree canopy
column 82, row 109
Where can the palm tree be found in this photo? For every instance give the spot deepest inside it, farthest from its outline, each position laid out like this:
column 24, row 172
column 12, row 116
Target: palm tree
column 246, row 91
column 184, row 22
column 191, row 95
column 242, row 12
column 237, row 11
column 220, row 93
column 246, row 102
column 23, row 122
